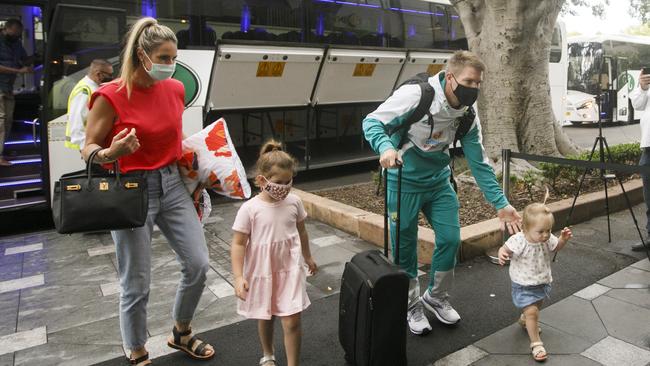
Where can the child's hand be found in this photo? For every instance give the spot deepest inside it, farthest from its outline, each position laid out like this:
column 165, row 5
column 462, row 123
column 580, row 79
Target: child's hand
column 241, row 288
column 566, row 234
column 503, row 256
column 313, row 267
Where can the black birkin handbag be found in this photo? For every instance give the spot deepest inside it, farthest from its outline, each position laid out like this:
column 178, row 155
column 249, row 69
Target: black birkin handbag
column 87, row 201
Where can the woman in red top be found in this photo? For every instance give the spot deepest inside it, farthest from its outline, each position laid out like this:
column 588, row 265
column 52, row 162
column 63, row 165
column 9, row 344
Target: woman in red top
column 137, row 120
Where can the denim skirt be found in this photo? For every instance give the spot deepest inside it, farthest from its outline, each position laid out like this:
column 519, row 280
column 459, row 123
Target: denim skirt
column 523, row 296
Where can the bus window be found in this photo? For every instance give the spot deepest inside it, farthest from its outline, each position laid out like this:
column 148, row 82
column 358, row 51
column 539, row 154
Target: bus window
column 420, row 22
column 78, row 37
column 349, row 23
column 259, row 20
column 457, row 37
column 585, row 61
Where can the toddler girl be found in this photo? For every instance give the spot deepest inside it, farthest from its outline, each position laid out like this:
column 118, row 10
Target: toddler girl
column 269, row 250
column 530, row 268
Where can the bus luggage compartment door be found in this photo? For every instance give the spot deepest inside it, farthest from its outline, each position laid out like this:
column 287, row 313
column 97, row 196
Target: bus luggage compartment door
column 417, row 62
column 357, row 76
column 251, row 76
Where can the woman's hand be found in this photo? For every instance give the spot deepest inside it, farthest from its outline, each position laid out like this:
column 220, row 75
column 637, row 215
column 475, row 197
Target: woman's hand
column 124, row 143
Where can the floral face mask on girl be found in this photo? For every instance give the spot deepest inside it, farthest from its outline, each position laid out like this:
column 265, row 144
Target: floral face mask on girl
column 277, row 191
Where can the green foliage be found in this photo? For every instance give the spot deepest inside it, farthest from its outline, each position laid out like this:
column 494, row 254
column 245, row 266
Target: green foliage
column 597, row 6
column 529, row 180
column 623, row 154
column 640, row 9
column 376, row 177
column 639, row 30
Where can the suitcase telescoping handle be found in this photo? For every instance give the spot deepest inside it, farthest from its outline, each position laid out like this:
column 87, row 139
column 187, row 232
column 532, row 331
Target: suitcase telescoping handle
column 397, row 219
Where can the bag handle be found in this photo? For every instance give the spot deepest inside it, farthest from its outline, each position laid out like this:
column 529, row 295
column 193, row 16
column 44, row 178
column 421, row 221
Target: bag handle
column 89, row 164
column 397, row 219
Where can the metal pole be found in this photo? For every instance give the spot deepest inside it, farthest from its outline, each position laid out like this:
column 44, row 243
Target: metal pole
column 505, row 171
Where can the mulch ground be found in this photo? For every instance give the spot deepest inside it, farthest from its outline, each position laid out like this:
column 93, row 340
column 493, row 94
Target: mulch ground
column 473, row 206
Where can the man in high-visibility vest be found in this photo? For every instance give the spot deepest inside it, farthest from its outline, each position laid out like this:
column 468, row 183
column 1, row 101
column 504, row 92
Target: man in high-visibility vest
column 100, row 71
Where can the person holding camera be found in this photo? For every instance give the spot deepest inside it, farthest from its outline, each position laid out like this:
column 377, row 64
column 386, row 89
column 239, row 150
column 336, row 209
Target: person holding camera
column 639, row 99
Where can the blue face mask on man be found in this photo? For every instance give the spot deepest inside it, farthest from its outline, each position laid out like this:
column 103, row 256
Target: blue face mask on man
column 160, row 71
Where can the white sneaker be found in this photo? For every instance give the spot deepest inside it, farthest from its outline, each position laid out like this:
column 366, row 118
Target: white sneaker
column 441, row 308
column 418, row 322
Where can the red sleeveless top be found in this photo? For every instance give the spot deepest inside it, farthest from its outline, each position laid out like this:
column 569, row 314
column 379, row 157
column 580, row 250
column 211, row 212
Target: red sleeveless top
column 156, row 113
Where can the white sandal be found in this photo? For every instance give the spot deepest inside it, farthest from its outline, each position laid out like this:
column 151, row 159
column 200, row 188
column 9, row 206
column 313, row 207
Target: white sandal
column 537, row 348
column 268, row 361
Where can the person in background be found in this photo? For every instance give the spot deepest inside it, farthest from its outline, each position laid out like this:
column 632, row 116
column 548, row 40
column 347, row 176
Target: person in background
column 99, row 72
column 639, row 99
column 13, row 61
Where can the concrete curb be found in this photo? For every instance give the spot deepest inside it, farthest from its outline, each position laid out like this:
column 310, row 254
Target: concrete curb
column 476, row 239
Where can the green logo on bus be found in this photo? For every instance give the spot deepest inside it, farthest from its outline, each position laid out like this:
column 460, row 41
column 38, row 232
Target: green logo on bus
column 190, row 80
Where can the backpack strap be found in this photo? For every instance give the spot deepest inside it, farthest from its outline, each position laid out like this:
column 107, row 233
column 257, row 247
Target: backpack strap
column 464, row 125
column 426, row 98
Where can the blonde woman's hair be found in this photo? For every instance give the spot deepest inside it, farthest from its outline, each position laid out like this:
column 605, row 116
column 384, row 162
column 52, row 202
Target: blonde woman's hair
column 536, row 211
column 462, row 59
column 272, row 155
column 148, row 35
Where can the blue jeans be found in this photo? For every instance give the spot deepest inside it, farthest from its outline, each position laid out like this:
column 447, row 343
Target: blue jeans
column 645, row 160
column 171, row 208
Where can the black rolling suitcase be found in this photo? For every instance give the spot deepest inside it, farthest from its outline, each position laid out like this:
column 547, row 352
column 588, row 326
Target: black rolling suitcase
column 373, row 303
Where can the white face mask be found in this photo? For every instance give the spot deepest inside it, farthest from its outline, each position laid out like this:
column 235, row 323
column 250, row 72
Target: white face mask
column 160, row 71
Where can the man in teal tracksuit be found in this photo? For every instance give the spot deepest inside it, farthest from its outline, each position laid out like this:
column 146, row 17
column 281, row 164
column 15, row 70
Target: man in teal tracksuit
column 425, row 184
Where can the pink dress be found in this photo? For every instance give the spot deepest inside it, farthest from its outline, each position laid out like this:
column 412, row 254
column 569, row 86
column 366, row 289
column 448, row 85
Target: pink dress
column 273, row 264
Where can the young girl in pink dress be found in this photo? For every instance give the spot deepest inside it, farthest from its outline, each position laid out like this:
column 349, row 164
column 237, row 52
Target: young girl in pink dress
column 269, row 250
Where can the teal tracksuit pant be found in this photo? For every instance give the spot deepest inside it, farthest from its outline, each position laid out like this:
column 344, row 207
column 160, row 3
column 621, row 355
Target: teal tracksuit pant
column 440, row 207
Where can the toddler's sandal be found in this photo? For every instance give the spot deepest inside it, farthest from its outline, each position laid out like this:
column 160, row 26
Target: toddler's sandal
column 268, row 361
column 538, row 351
column 522, row 322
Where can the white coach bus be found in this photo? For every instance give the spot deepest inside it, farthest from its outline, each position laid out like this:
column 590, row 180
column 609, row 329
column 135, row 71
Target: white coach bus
column 302, row 71
column 602, row 71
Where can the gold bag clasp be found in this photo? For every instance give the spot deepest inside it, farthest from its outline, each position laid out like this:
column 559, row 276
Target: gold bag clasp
column 103, row 186
column 73, row 187
column 130, row 185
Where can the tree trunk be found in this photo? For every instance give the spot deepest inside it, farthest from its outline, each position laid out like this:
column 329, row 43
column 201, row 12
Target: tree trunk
column 513, row 38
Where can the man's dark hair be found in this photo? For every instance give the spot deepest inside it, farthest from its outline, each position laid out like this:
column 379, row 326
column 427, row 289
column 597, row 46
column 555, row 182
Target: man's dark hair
column 10, row 23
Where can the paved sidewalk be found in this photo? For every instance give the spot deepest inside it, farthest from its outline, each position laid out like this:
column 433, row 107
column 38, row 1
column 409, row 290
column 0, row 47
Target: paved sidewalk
column 59, row 296
column 59, row 293
column 607, row 323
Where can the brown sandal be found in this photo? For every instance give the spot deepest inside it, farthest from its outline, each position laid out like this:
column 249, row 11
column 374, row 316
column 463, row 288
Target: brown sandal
column 195, row 348
column 139, row 361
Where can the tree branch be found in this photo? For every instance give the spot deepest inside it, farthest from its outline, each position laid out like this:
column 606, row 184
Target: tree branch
column 472, row 13
column 544, row 8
